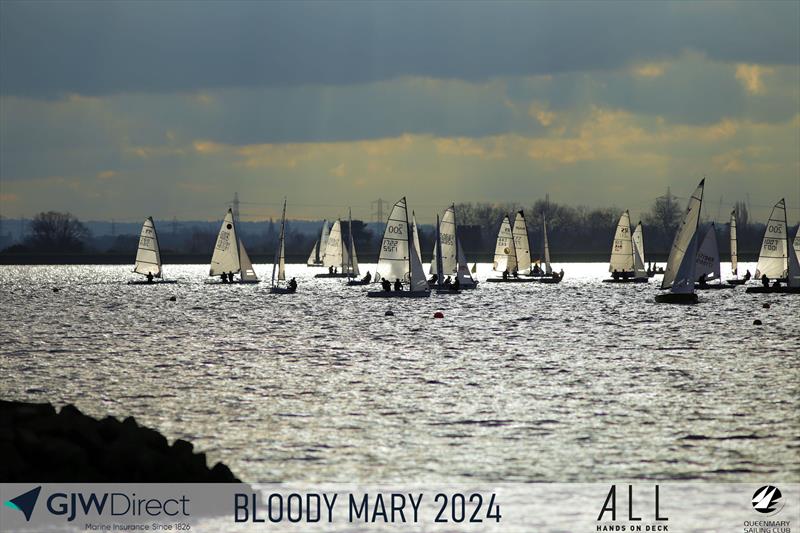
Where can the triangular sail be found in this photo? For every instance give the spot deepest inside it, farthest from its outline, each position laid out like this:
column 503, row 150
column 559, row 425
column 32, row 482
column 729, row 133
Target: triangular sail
column 773, row 259
column 521, row 242
column 353, row 263
column 622, row 248
column 312, row 257
column 437, row 254
column 393, row 260
column 794, row 262
column 279, row 263
column 148, row 256
column 417, row 279
column 734, row 246
column 415, row 232
column 248, row 274
column 463, row 275
column 638, row 252
column 323, row 242
column 447, row 237
column 505, row 257
column 333, row 256
column 707, row 261
column 226, row 250
column 547, row 268
column 797, row 243
column 432, row 269
column 679, row 274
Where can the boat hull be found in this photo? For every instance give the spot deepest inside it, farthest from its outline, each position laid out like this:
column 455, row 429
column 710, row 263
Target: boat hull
column 447, row 291
column 712, row 286
column 511, row 280
column 399, row 294
column 333, row 276
column 736, row 281
column 550, row 281
column 154, row 282
column 281, row 290
column 629, row 280
column 355, row 282
column 677, row 298
column 770, row 290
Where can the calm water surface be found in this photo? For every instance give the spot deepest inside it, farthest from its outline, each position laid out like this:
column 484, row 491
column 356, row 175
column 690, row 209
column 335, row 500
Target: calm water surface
column 581, row 381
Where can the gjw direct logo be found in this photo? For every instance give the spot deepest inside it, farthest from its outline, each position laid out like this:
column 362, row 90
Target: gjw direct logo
column 25, row 502
column 768, row 500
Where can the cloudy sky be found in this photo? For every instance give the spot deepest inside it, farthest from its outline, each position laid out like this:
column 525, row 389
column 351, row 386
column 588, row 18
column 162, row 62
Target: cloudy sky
column 127, row 109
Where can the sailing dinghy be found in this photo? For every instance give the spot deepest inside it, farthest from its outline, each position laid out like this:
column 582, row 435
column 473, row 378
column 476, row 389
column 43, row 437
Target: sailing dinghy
column 230, row 256
column 438, row 260
column 279, row 264
column 734, row 254
column 352, row 268
column 707, row 264
column 623, row 256
column 679, row 276
column 454, row 261
column 547, row 275
column 776, row 260
column 505, row 253
column 399, row 257
column 315, row 259
column 148, row 256
column 337, row 256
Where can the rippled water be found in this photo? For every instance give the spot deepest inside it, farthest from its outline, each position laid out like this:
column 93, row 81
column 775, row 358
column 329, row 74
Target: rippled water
column 581, row 381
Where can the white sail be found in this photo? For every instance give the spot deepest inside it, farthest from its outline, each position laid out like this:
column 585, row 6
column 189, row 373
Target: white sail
column 226, row 250
column 707, row 261
column 797, row 243
column 432, row 269
column 447, row 237
column 393, row 260
column 437, row 254
column 521, row 243
column 505, row 257
column 248, row 274
column 148, row 257
column 333, row 256
column 794, row 262
column 312, row 257
column 415, row 232
column 622, row 248
column 546, row 245
column 463, row 275
column 279, row 263
column 417, row 281
column 679, row 273
column 773, row 259
column 734, row 245
column 638, row 252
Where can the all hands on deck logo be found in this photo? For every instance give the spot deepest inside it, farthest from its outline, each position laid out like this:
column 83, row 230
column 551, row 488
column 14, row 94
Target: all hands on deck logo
column 25, row 502
column 768, row 500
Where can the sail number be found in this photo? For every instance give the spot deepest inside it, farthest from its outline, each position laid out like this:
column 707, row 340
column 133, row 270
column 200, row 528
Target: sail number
column 390, row 245
column 447, row 238
column 775, row 229
column 395, row 228
column 222, row 242
column 145, row 242
column 458, row 508
column 771, row 244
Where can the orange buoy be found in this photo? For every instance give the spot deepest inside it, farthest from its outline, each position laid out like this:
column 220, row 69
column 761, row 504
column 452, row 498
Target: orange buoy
column 438, row 314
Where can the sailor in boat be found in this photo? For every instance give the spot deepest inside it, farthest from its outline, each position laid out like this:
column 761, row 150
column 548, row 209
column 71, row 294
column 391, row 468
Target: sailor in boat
column 615, row 275
column 777, row 283
column 434, row 279
column 224, row 277
column 561, row 274
column 149, row 277
column 456, row 286
column 293, row 285
column 398, row 287
column 367, row 278
column 387, row 286
column 505, row 274
column 447, row 282
column 747, row 275
column 330, row 270
column 764, row 280
column 230, row 277
column 516, row 272
column 702, row 281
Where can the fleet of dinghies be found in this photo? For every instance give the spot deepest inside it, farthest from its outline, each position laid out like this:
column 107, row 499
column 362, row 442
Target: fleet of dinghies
column 693, row 263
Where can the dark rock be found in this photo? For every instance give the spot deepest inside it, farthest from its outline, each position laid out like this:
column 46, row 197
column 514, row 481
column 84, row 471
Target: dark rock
column 38, row 445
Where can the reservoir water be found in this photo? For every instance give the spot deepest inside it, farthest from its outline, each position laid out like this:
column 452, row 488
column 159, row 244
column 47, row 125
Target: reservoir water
column 581, row 381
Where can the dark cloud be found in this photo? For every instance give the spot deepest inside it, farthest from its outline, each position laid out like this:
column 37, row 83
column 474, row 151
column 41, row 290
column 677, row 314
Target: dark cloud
column 51, row 48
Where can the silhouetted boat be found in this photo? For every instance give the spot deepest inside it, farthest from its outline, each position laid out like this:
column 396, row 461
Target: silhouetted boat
column 315, row 259
column 734, row 254
column 278, row 265
column 230, row 256
column 547, row 275
column 777, row 261
column 505, row 255
column 707, row 265
column 623, row 264
column 337, row 255
column 679, row 275
column 454, row 261
column 148, row 256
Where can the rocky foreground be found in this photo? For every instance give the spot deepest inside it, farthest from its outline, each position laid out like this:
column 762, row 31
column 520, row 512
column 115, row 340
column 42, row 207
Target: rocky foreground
column 38, row 444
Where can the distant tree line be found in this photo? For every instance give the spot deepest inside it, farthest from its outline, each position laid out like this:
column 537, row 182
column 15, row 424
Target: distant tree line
column 571, row 230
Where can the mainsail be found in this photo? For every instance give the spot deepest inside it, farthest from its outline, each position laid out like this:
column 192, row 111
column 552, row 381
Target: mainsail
column 415, row 232
column 226, row 251
column 773, row 259
column 734, row 245
column 463, row 275
column 248, row 274
column 794, row 262
column 437, row 254
column 547, row 268
column 447, row 237
column 393, row 260
column 417, row 281
column 679, row 274
column 622, row 249
column 638, row 252
column 521, row 244
column 279, row 263
column 334, row 250
column 353, row 266
column 318, row 252
column 505, row 256
column 707, row 261
column 148, row 257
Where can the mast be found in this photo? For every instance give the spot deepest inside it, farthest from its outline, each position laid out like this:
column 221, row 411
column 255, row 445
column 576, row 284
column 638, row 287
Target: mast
column 350, row 234
column 236, row 232
column 280, row 243
column 455, row 233
column 438, row 258
column 410, row 240
column 158, row 248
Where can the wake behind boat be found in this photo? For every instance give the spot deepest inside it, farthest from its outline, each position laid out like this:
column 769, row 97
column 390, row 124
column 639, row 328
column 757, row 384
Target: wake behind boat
column 148, row 256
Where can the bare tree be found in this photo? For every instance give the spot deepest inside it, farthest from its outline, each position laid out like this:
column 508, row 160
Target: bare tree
column 664, row 216
column 57, row 232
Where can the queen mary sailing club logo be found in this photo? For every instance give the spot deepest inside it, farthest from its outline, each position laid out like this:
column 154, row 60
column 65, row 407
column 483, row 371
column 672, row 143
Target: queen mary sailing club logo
column 25, row 502
column 768, row 500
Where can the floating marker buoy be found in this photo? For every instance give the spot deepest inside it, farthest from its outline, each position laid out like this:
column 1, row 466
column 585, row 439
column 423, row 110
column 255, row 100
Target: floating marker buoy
column 173, row 299
column 388, row 313
column 756, row 322
column 438, row 314
column 56, row 289
column 765, row 306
